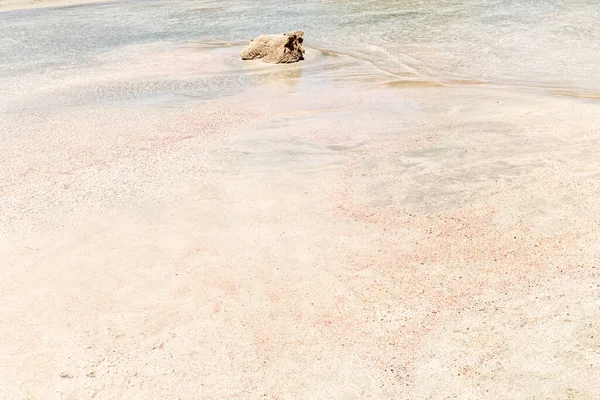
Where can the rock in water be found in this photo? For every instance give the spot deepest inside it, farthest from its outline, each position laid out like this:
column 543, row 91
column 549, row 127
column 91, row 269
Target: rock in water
column 276, row 49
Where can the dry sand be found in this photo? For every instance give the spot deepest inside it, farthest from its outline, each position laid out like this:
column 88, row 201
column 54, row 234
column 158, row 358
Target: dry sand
column 298, row 241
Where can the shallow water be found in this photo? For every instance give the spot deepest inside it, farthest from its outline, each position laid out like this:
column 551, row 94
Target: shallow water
column 547, row 44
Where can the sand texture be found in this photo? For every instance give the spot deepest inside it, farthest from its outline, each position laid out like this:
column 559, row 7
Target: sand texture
column 168, row 233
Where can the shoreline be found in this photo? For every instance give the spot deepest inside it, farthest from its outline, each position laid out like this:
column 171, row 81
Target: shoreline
column 176, row 222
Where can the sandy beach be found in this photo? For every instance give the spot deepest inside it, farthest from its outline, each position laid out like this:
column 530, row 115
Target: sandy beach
column 177, row 223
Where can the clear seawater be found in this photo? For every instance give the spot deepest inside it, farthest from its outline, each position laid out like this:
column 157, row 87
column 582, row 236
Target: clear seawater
column 552, row 45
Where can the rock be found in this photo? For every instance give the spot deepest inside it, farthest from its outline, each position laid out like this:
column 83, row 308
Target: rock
column 276, row 49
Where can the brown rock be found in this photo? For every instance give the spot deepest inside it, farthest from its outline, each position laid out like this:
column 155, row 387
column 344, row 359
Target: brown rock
column 276, row 49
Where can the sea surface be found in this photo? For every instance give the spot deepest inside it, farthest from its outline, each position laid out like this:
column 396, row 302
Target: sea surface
column 548, row 45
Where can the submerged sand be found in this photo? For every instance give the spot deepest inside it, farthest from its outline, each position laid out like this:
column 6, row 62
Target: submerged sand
column 307, row 238
column 13, row 5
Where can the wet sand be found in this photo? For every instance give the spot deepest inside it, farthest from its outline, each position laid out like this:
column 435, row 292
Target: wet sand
column 319, row 235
